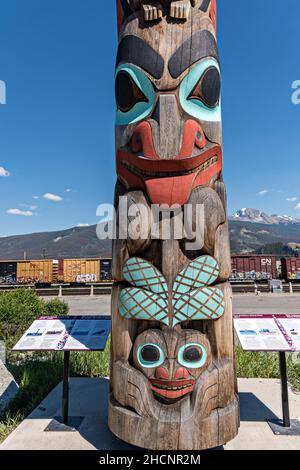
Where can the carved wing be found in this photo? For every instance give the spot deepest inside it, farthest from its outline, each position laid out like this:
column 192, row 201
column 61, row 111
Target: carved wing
column 192, row 298
column 141, row 304
column 141, row 273
column 204, row 271
column 206, row 303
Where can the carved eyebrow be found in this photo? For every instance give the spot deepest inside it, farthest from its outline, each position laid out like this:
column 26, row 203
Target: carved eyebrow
column 136, row 51
column 201, row 44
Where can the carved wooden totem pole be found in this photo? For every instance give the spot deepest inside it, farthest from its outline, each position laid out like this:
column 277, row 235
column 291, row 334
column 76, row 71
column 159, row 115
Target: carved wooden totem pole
column 173, row 384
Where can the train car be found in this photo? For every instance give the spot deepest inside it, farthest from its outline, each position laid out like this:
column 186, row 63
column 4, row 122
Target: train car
column 37, row 271
column 290, row 269
column 105, row 270
column 81, row 271
column 8, row 272
column 253, row 268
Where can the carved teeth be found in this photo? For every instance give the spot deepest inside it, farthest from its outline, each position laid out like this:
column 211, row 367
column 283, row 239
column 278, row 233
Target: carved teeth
column 172, row 389
column 204, row 166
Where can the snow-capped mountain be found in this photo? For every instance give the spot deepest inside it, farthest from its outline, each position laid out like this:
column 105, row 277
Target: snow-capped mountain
column 258, row 217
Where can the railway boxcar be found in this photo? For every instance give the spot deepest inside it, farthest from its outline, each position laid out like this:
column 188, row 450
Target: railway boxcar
column 8, row 272
column 253, row 268
column 290, row 269
column 37, row 271
column 81, row 271
column 105, row 270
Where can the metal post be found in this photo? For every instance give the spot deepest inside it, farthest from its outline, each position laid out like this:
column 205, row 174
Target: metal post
column 92, row 290
column 291, row 288
column 65, row 399
column 284, row 390
column 60, row 291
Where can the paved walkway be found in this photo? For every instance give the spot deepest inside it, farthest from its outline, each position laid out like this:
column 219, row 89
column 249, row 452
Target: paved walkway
column 260, row 399
column 266, row 303
column 242, row 303
column 86, row 305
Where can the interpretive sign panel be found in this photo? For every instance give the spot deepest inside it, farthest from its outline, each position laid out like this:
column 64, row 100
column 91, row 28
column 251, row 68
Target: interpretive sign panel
column 71, row 333
column 268, row 332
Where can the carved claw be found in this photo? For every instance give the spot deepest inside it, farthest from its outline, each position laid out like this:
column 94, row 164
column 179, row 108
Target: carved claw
column 180, row 9
column 153, row 9
column 131, row 388
column 152, row 12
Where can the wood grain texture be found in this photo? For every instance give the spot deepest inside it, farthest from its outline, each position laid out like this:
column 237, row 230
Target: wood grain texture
column 173, row 382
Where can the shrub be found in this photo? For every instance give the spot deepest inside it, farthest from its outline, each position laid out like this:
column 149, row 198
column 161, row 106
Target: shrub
column 56, row 307
column 19, row 308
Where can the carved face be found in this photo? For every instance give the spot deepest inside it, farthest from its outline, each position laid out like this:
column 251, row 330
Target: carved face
column 168, row 124
column 172, row 361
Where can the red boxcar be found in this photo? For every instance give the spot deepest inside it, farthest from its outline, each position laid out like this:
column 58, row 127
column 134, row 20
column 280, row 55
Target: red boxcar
column 253, row 268
column 290, row 269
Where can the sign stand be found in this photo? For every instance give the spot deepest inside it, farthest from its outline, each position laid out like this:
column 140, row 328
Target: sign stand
column 65, row 423
column 286, row 426
column 273, row 333
column 66, row 334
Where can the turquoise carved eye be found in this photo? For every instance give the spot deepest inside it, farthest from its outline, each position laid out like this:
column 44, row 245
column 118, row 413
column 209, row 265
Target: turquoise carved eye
column 135, row 96
column 192, row 356
column 200, row 90
column 150, row 355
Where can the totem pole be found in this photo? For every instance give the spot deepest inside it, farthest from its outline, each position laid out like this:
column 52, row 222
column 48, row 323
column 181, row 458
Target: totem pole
column 173, row 384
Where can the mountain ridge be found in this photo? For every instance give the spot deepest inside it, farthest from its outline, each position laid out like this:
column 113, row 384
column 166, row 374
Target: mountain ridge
column 256, row 216
column 82, row 242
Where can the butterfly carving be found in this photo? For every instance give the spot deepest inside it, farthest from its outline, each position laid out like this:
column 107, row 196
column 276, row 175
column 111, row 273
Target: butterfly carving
column 193, row 295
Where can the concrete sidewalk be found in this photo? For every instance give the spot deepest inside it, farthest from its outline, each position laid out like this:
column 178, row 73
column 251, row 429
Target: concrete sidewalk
column 242, row 303
column 86, row 305
column 260, row 399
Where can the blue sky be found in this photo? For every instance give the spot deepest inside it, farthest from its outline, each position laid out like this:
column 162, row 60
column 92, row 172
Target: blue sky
column 57, row 127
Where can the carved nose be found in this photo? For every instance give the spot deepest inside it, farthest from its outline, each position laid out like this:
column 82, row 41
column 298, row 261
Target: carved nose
column 147, row 137
column 162, row 373
column 181, row 374
column 167, row 127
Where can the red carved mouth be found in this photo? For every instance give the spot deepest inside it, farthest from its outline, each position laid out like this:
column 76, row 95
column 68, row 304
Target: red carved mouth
column 172, row 389
column 179, row 176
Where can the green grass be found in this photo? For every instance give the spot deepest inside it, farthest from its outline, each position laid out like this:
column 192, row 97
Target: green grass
column 266, row 365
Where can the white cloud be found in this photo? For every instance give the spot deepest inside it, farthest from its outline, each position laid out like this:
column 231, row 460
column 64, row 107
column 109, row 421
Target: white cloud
column 68, row 190
column 292, row 199
column 297, row 207
column 4, row 172
column 52, row 197
column 263, row 192
column 83, row 225
column 36, row 197
column 19, row 212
